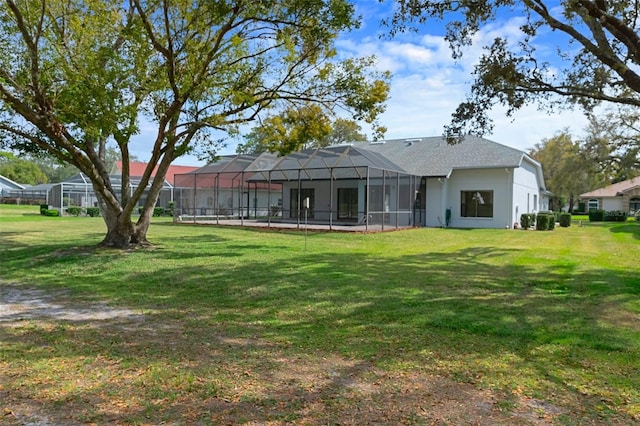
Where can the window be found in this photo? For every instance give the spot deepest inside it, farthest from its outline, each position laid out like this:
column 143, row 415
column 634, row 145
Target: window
column 593, row 204
column 634, row 204
column 304, row 193
column 347, row 203
column 476, row 203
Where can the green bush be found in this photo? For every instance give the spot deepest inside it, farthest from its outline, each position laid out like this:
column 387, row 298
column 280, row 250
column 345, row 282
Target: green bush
column 545, row 221
column 74, row 211
column 551, row 219
column 596, row 215
column 93, row 211
column 527, row 220
column 52, row 213
column 158, row 211
column 565, row 219
column 615, row 216
column 542, row 222
column 43, row 209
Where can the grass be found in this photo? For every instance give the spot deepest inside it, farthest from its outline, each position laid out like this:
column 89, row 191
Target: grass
column 237, row 317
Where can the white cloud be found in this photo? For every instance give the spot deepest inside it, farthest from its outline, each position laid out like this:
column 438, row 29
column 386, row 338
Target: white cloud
column 428, row 85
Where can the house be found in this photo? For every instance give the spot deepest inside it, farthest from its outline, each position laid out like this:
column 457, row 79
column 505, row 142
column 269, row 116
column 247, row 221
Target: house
column 23, row 194
column 78, row 189
column 623, row 196
column 7, row 186
column 403, row 182
column 136, row 170
column 476, row 183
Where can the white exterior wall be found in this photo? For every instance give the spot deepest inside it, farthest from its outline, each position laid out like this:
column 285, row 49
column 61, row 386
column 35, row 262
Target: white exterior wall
column 526, row 191
column 496, row 180
column 443, row 194
column 434, row 207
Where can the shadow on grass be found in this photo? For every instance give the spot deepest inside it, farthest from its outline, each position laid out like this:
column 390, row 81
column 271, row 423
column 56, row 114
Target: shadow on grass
column 630, row 228
column 456, row 313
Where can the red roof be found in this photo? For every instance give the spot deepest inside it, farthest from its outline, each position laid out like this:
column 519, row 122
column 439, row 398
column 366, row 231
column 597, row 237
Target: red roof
column 137, row 168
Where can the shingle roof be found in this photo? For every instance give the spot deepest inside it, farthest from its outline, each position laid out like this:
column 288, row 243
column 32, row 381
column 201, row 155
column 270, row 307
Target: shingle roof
column 615, row 189
column 433, row 156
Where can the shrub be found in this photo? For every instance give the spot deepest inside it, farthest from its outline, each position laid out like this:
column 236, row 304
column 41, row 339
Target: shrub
column 596, row 215
column 93, row 211
column 52, row 213
column 158, row 211
column 551, row 219
column 615, row 216
column 527, row 220
column 565, row 220
column 74, row 211
column 43, row 209
column 542, row 222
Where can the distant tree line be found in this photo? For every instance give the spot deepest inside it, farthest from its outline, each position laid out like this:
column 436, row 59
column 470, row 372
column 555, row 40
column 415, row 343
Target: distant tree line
column 609, row 153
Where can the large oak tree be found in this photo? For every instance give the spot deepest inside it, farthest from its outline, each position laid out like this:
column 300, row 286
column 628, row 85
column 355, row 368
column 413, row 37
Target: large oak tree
column 79, row 75
column 598, row 53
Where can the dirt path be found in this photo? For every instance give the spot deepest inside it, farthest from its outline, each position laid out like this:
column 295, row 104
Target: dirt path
column 359, row 393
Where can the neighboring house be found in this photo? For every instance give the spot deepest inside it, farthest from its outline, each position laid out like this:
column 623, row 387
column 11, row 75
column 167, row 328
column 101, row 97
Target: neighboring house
column 624, row 196
column 405, row 182
column 7, row 186
column 30, row 194
column 136, row 170
column 78, row 189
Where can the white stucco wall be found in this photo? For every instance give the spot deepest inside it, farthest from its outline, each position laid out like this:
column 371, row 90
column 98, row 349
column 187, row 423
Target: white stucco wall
column 435, row 209
column 445, row 194
column 526, row 191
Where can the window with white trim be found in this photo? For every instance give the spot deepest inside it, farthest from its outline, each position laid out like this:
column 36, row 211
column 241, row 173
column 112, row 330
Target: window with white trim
column 594, row 204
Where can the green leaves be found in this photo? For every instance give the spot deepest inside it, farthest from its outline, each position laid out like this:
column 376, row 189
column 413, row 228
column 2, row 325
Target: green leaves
column 601, row 64
column 77, row 75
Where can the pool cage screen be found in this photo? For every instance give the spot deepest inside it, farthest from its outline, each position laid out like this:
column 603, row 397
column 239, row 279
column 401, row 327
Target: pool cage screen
column 298, row 192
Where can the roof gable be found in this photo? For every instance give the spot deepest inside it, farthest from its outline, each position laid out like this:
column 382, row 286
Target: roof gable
column 6, row 183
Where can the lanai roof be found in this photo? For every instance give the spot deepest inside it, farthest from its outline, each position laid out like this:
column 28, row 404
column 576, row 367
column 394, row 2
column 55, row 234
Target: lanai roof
column 240, row 163
column 338, row 162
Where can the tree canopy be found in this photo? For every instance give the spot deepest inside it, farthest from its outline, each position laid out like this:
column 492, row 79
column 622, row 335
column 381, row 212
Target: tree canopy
column 300, row 128
column 568, row 170
column 20, row 170
column 597, row 56
column 613, row 142
column 77, row 77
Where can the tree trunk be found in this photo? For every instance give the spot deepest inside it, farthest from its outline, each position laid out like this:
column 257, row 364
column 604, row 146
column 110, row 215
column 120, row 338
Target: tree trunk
column 122, row 233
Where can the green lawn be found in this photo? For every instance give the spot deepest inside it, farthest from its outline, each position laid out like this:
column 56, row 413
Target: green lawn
column 236, row 321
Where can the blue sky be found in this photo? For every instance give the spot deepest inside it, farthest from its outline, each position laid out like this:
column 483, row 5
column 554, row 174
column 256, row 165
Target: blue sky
column 427, row 84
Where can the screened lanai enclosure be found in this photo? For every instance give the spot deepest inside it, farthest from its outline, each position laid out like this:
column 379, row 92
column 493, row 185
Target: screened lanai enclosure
column 336, row 186
column 78, row 191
